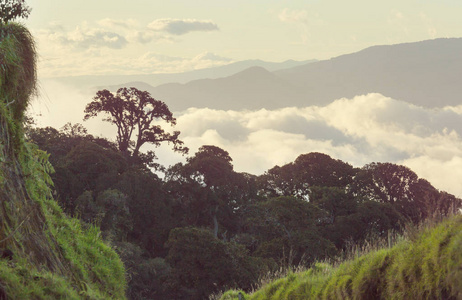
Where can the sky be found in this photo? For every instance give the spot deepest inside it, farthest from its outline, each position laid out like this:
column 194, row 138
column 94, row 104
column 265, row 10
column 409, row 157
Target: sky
column 142, row 37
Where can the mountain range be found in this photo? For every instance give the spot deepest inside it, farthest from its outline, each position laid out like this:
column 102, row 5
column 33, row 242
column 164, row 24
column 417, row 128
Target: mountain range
column 427, row 74
column 96, row 81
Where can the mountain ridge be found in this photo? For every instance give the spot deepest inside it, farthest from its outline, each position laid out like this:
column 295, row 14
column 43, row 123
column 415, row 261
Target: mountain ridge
column 408, row 72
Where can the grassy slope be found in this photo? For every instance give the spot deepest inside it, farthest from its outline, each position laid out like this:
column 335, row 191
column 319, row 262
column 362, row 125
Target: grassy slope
column 54, row 256
column 427, row 267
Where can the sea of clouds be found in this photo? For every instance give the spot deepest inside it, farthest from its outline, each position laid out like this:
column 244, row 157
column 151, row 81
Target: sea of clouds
column 364, row 129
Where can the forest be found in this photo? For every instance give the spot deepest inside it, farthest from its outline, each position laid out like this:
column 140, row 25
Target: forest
column 184, row 231
column 197, row 228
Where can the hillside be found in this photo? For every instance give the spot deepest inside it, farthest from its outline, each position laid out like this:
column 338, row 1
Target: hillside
column 408, row 72
column 44, row 253
column 425, row 267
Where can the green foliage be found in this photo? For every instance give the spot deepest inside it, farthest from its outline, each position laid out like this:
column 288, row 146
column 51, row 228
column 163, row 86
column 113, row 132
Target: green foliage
column 415, row 198
column 20, row 281
column 202, row 264
column 17, row 68
column 308, row 170
column 252, row 234
column 12, row 9
column 427, row 267
column 209, row 190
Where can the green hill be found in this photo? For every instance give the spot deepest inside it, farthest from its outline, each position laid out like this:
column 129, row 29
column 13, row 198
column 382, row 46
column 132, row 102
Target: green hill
column 428, row 266
column 44, row 253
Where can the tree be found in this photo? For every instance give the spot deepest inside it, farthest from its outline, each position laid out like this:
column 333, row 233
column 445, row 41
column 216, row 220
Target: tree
column 285, row 228
column 202, row 264
column 308, row 170
column 209, row 189
column 12, row 9
column 132, row 110
column 399, row 186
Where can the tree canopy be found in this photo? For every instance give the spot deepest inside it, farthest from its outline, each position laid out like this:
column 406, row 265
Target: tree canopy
column 205, row 226
column 12, row 9
column 135, row 112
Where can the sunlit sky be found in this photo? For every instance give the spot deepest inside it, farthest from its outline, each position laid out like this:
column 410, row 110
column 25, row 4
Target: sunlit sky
column 144, row 36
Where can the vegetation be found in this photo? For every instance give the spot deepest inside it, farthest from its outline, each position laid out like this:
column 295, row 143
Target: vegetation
column 132, row 110
column 204, row 227
column 12, row 9
column 49, row 255
column 424, row 266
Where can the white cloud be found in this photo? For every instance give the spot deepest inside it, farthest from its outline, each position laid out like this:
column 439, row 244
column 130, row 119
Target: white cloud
column 182, row 26
column 111, row 23
column 361, row 130
column 115, row 47
column 84, row 37
column 208, row 56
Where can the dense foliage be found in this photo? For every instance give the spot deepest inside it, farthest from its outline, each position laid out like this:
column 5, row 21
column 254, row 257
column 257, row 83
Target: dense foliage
column 427, row 266
column 203, row 227
column 13, row 9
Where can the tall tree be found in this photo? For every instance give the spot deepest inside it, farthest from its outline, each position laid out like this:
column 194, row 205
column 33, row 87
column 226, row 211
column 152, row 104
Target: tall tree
column 12, row 9
column 135, row 111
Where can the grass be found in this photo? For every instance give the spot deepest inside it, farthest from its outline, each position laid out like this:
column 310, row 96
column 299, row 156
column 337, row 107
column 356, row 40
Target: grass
column 54, row 256
column 425, row 265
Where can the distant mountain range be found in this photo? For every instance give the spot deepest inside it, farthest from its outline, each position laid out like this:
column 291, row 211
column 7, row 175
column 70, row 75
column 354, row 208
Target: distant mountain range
column 427, row 73
column 96, row 81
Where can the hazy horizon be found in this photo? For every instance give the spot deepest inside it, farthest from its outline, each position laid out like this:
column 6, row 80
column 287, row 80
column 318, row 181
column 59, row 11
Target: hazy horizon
column 145, row 37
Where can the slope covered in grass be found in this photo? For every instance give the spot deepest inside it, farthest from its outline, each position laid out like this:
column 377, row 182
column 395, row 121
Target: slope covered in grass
column 428, row 266
column 44, row 254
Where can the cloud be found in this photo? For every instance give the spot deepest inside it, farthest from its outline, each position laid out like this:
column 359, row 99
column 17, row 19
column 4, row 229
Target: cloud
column 116, row 34
column 208, row 56
column 360, row 130
column 182, row 26
column 110, row 23
column 84, row 37
column 364, row 129
column 98, row 61
column 115, row 47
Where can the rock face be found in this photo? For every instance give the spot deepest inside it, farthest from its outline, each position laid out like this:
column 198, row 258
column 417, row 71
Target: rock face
column 44, row 253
